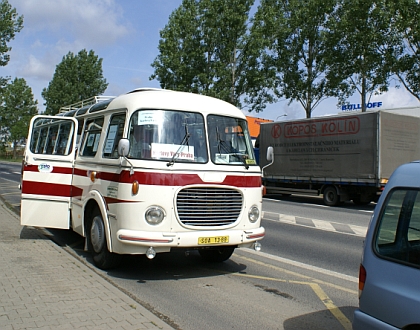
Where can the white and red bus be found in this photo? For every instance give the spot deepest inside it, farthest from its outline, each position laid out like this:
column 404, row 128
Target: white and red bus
column 143, row 173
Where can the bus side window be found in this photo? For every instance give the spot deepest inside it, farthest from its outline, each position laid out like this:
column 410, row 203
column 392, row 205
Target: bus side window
column 33, row 146
column 51, row 140
column 93, row 130
column 62, row 146
column 42, row 139
column 115, row 133
column 51, row 137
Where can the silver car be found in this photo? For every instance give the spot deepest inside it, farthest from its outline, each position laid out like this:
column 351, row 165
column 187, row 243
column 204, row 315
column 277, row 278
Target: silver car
column 389, row 277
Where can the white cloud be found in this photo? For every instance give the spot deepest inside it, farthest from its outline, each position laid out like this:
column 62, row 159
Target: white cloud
column 396, row 98
column 91, row 22
column 114, row 90
column 393, row 99
column 122, row 33
column 36, row 68
column 136, row 81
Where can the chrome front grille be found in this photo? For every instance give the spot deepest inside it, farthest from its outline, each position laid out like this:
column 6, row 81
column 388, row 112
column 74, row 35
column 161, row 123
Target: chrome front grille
column 208, row 206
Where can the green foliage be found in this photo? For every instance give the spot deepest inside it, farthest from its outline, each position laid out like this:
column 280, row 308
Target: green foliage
column 10, row 24
column 404, row 57
column 16, row 110
column 201, row 48
column 289, row 47
column 76, row 78
column 360, row 38
column 303, row 51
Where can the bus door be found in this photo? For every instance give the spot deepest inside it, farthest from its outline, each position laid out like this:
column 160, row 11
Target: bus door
column 48, row 171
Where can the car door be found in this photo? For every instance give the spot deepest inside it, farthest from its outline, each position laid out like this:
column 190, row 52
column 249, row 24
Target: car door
column 47, row 172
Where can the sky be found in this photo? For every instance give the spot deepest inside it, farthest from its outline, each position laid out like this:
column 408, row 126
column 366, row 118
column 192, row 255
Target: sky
column 125, row 34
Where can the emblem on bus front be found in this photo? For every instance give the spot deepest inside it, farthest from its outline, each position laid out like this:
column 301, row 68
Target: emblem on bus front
column 45, row 168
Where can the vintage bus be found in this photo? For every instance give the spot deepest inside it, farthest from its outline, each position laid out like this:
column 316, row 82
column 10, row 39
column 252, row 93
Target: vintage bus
column 143, row 173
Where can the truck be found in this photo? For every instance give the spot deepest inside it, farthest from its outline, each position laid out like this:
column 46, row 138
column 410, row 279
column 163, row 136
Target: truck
column 347, row 157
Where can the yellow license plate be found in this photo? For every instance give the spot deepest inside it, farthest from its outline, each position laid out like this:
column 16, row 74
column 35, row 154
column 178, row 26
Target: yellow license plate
column 213, row 240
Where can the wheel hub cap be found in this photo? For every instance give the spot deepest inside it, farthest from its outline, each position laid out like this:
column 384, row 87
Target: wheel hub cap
column 97, row 234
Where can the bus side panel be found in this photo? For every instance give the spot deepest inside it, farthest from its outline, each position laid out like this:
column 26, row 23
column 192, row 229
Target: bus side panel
column 55, row 214
column 48, row 172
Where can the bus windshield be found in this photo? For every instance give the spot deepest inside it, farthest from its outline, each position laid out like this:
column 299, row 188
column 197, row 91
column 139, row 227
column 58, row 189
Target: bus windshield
column 176, row 136
column 229, row 141
column 168, row 135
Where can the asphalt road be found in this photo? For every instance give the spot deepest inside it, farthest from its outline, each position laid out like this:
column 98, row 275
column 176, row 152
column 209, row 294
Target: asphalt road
column 304, row 278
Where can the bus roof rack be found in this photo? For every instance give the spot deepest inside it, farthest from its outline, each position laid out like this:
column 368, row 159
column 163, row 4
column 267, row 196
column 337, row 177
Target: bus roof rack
column 146, row 89
column 90, row 101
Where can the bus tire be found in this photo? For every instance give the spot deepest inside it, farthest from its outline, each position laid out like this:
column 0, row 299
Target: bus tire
column 102, row 258
column 219, row 254
column 331, row 197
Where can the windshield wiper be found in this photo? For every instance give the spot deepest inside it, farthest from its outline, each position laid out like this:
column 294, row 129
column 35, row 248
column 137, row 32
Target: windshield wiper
column 242, row 158
column 183, row 143
column 222, row 145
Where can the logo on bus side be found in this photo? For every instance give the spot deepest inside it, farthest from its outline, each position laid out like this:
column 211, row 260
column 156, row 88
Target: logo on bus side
column 45, row 168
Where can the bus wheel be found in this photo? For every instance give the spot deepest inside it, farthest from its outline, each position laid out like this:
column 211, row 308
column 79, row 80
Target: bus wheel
column 216, row 254
column 102, row 258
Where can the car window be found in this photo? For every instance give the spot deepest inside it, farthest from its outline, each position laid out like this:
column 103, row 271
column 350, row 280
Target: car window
column 398, row 233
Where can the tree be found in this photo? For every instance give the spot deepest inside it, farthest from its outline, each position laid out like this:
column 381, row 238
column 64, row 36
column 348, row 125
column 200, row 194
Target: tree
column 201, row 48
column 360, row 39
column 17, row 108
column 289, row 47
column 76, row 78
column 405, row 59
column 10, row 24
column 181, row 59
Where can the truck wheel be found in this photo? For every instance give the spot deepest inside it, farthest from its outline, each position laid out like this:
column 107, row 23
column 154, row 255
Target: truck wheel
column 331, row 198
column 216, row 254
column 102, row 258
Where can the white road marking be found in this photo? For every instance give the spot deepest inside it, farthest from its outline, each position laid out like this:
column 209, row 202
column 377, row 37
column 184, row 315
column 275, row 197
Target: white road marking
column 305, row 266
column 316, row 224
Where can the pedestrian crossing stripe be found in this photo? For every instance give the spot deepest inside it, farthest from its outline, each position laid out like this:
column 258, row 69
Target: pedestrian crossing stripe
column 316, row 224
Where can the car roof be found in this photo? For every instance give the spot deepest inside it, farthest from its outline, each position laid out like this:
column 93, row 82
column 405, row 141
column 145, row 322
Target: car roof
column 406, row 175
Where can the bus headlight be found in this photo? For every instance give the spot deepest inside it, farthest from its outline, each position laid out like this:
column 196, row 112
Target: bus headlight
column 154, row 215
column 253, row 213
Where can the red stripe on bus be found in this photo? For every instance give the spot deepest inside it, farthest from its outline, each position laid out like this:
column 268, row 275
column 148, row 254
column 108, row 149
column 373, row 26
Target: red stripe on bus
column 160, row 179
column 76, row 192
column 172, row 179
column 56, row 169
column 46, row 189
column 110, row 200
column 80, row 172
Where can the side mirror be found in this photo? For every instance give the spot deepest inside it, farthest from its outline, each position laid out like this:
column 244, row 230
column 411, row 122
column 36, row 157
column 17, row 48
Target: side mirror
column 123, row 147
column 270, row 158
column 270, row 154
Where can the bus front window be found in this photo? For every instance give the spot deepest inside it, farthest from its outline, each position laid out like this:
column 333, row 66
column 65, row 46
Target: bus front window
column 229, row 141
column 167, row 135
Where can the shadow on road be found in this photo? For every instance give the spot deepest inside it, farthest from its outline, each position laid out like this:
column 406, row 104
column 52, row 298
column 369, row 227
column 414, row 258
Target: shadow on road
column 318, row 320
column 178, row 264
column 31, row 233
column 175, row 265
